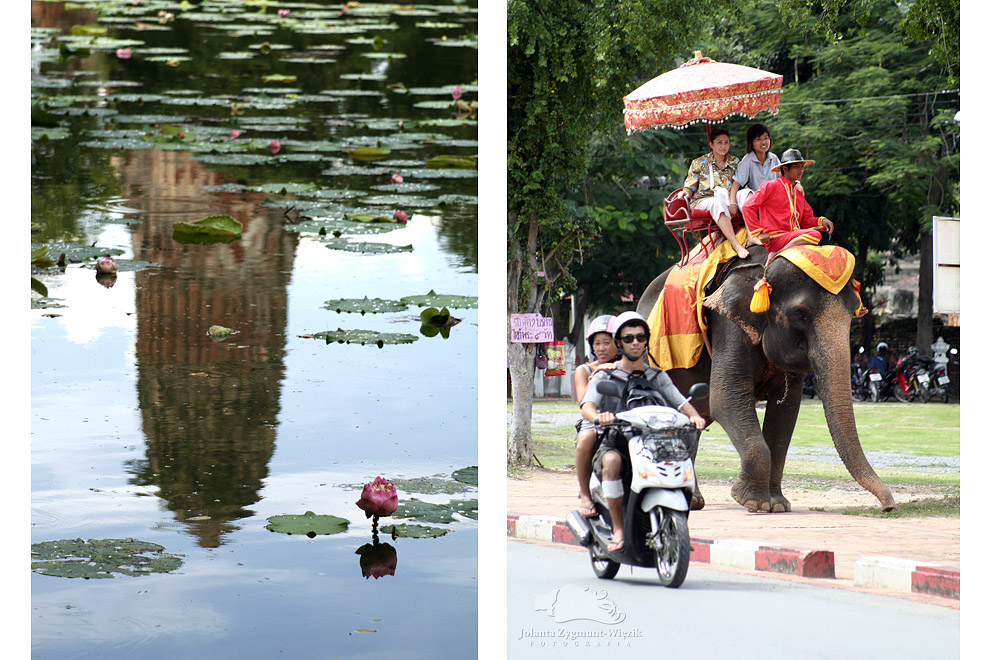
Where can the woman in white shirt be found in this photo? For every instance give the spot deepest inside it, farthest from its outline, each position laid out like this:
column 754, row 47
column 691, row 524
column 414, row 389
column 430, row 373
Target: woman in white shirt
column 755, row 168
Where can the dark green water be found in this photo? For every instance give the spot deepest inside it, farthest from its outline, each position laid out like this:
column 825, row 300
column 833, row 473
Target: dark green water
column 142, row 426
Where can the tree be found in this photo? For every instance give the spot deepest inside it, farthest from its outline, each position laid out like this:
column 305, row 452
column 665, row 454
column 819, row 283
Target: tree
column 570, row 62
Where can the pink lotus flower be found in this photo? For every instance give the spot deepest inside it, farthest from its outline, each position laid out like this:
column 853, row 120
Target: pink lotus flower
column 234, row 134
column 396, row 178
column 123, row 53
column 378, row 498
column 106, row 265
column 401, row 216
column 274, row 146
column 282, row 13
column 456, row 92
column 377, row 559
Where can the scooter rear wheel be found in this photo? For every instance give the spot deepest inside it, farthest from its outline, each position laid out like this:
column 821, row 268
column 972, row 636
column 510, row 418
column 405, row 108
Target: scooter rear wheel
column 604, row 568
column 674, row 555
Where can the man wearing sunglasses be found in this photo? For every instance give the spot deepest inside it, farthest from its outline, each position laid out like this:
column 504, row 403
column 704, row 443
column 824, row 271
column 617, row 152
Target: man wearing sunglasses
column 611, row 461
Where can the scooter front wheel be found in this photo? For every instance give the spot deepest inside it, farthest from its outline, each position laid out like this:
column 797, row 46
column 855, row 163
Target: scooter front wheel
column 673, row 556
column 604, row 568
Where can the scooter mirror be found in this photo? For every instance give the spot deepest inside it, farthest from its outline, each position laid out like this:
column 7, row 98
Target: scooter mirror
column 608, row 388
column 698, row 391
column 862, row 349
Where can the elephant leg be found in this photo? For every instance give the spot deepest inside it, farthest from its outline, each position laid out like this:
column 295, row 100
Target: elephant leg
column 783, row 406
column 733, row 407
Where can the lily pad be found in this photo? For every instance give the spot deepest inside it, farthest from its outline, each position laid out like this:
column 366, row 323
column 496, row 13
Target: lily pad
column 365, row 306
column 218, row 332
column 214, row 229
column 369, row 153
column 364, row 337
column 433, row 299
column 468, row 475
column 370, row 217
column 101, row 558
column 367, row 248
column 429, row 485
column 308, row 523
column 451, row 162
column 436, row 513
column 413, row 531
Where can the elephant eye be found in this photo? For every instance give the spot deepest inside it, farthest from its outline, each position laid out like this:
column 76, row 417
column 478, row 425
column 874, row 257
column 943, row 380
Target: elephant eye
column 801, row 315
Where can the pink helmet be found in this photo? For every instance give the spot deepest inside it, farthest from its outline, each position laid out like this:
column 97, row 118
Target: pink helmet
column 601, row 323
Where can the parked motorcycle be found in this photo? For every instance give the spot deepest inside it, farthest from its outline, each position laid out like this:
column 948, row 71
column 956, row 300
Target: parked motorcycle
column 858, row 380
column 910, row 378
column 937, row 372
column 657, row 503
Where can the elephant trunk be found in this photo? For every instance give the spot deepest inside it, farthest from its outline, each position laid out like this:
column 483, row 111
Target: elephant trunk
column 830, row 362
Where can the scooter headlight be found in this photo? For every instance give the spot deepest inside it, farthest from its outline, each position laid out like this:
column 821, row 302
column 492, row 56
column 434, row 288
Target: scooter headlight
column 660, row 421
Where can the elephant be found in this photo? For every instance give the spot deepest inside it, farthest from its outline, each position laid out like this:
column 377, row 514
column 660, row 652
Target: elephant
column 758, row 356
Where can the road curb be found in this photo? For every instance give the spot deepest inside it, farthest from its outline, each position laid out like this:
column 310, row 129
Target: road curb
column 873, row 571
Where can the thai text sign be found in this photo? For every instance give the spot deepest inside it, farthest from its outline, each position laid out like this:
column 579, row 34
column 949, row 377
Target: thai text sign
column 530, row 329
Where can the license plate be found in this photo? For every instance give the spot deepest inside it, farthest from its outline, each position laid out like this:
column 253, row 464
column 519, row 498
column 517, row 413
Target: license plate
column 943, row 380
column 923, row 378
column 876, row 377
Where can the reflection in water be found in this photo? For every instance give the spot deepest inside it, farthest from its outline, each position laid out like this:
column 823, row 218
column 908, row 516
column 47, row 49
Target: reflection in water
column 209, row 409
column 377, row 559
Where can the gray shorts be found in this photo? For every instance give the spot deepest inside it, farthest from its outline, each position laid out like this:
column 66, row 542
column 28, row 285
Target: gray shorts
column 596, row 462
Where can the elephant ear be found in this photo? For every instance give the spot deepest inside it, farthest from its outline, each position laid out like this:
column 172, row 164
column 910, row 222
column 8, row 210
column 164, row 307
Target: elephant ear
column 732, row 299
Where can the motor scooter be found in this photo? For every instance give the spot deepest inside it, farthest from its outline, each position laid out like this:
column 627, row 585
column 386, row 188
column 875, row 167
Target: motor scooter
column 657, row 502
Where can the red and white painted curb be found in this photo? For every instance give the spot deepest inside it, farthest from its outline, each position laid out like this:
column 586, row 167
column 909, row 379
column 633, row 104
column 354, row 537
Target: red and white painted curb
column 888, row 573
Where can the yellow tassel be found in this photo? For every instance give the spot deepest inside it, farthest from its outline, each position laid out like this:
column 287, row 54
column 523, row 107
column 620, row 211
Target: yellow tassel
column 761, row 296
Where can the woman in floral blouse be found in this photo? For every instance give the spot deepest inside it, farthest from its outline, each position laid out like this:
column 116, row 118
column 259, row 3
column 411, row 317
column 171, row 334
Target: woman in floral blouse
column 708, row 182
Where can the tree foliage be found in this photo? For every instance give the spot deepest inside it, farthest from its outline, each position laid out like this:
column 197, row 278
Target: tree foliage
column 570, row 62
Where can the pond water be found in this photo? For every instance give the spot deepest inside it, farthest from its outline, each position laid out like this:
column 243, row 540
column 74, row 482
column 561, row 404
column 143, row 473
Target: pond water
column 144, row 426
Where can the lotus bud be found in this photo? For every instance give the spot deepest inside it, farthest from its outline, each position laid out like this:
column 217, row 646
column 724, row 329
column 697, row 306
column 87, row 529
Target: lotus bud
column 456, row 92
column 106, row 265
column 282, row 13
column 274, row 146
column 396, row 178
column 123, row 53
column 378, row 498
column 400, row 216
column 234, row 134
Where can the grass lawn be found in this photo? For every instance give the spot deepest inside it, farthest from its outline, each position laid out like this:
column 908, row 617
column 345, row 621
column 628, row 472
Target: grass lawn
column 902, row 431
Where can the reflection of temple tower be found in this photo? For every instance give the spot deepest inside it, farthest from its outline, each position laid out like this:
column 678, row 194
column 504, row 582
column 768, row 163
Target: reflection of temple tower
column 208, row 408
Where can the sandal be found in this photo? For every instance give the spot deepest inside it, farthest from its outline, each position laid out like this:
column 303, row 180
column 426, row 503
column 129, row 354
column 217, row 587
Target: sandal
column 616, row 546
column 588, row 511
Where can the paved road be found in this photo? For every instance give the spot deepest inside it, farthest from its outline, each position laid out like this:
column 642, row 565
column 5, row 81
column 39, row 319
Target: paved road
column 557, row 608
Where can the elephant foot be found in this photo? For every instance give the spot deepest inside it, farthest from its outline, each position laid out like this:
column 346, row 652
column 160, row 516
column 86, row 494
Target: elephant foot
column 779, row 503
column 697, row 500
column 755, row 500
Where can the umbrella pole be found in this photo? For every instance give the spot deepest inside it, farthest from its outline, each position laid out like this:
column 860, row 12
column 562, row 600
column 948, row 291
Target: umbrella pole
column 708, row 129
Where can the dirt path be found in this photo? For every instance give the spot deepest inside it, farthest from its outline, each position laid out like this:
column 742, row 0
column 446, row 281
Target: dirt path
column 925, row 539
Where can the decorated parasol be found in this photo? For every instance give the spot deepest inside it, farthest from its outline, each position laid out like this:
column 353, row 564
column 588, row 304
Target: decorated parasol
column 701, row 89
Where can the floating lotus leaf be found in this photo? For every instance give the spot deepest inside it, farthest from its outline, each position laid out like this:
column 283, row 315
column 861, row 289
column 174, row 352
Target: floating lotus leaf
column 433, row 105
column 285, row 188
column 365, row 306
column 401, row 201
column 307, row 523
column 364, row 337
column 447, row 122
column 39, row 287
column 451, row 162
column 432, row 330
column 367, row 248
column 433, row 299
column 436, row 513
column 101, row 558
column 369, row 153
column 76, row 253
column 277, row 77
column 468, row 475
column 368, row 217
column 42, row 134
column 218, row 332
column 429, row 485
column 406, row 187
column 214, row 229
column 458, row 199
column 413, row 531
column 337, row 227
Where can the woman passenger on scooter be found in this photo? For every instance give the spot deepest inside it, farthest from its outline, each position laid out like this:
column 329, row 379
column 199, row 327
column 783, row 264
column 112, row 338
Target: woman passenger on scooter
column 602, row 348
